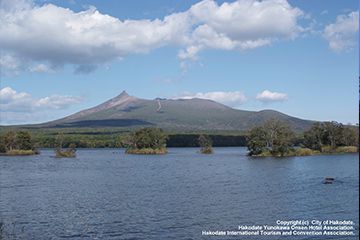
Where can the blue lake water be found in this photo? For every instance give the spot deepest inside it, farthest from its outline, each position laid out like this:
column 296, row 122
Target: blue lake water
column 106, row 194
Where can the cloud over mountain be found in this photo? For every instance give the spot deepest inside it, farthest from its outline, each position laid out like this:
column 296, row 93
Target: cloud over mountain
column 234, row 99
column 267, row 96
column 13, row 101
column 21, row 105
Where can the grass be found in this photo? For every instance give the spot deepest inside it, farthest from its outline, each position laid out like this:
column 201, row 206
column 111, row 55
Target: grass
column 18, row 152
column 343, row 149
column 304, row 152
column 146, row 151
column 347, row 149
column 310, row 152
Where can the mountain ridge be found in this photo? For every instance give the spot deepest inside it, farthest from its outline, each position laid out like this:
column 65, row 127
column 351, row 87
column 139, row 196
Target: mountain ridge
column 194, row 114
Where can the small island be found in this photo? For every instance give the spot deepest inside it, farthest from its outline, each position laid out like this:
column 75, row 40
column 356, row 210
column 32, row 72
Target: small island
column 17, row 143
column 66, row 153
column 146, row 141
column 60, row 152
column 276, row 139
column 205, row 143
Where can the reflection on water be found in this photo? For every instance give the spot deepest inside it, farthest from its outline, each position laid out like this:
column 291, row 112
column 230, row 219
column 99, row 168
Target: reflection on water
column 105, row 194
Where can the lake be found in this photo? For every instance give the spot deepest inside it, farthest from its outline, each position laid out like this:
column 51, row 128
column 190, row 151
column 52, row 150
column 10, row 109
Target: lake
column 106, row 194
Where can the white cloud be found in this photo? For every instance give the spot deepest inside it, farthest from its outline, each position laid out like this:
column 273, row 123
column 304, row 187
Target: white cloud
column 40, row 68
column 22, row 102
column 10, row 65
column 21, row 107
column 86, row 39
column 343, row 34
column 189, row 53
column 229, row 98
column 241, row 25
column 268, row 96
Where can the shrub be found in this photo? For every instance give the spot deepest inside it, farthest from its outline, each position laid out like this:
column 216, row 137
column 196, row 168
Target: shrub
column 65, row 153
column 205, row 143
column 303, row 152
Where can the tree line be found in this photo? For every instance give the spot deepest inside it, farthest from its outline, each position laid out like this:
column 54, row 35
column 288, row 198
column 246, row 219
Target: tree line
column 275, row 138
column 15, row 141
column 118, row 140
column 325, row 135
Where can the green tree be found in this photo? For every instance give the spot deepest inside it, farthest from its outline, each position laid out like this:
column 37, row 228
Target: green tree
column 153, row 138
column 333, row 133
column 205, row 143
column 350, row 136
column 283, row 141
column 2, row 144
column 10, row 140
column 24, row 140
column 274, row 136
column 256, row 140
column 315, row 137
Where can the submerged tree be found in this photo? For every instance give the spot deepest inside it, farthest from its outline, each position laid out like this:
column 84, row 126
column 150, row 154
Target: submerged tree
column 205, row 143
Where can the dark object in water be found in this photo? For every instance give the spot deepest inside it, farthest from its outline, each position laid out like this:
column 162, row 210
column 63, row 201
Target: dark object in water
column 328, row 180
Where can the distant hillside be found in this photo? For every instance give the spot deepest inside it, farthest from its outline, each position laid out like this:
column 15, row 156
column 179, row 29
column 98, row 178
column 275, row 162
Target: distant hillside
column 176, row 115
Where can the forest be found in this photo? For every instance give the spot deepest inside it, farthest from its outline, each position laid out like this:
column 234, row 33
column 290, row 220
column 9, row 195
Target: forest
column 274, row 138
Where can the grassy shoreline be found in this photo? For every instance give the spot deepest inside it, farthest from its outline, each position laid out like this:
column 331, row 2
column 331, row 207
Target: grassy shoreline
column 146, row 151
column 19, row 153
column 300, row 152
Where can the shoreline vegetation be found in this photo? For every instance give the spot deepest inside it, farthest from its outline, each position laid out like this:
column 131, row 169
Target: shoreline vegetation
column 273, row 139
column 150, row 141
column 302, row 152
column 147, row 151
column 18, row 143
column 18, row 152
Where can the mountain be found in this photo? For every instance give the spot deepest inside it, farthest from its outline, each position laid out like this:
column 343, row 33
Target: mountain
column 173, row 114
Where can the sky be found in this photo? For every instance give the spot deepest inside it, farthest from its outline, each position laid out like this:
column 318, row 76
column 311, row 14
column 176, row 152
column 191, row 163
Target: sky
column 294, row 56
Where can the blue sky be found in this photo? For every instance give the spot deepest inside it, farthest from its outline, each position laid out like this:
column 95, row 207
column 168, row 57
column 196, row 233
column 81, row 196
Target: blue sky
column 297, row 57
